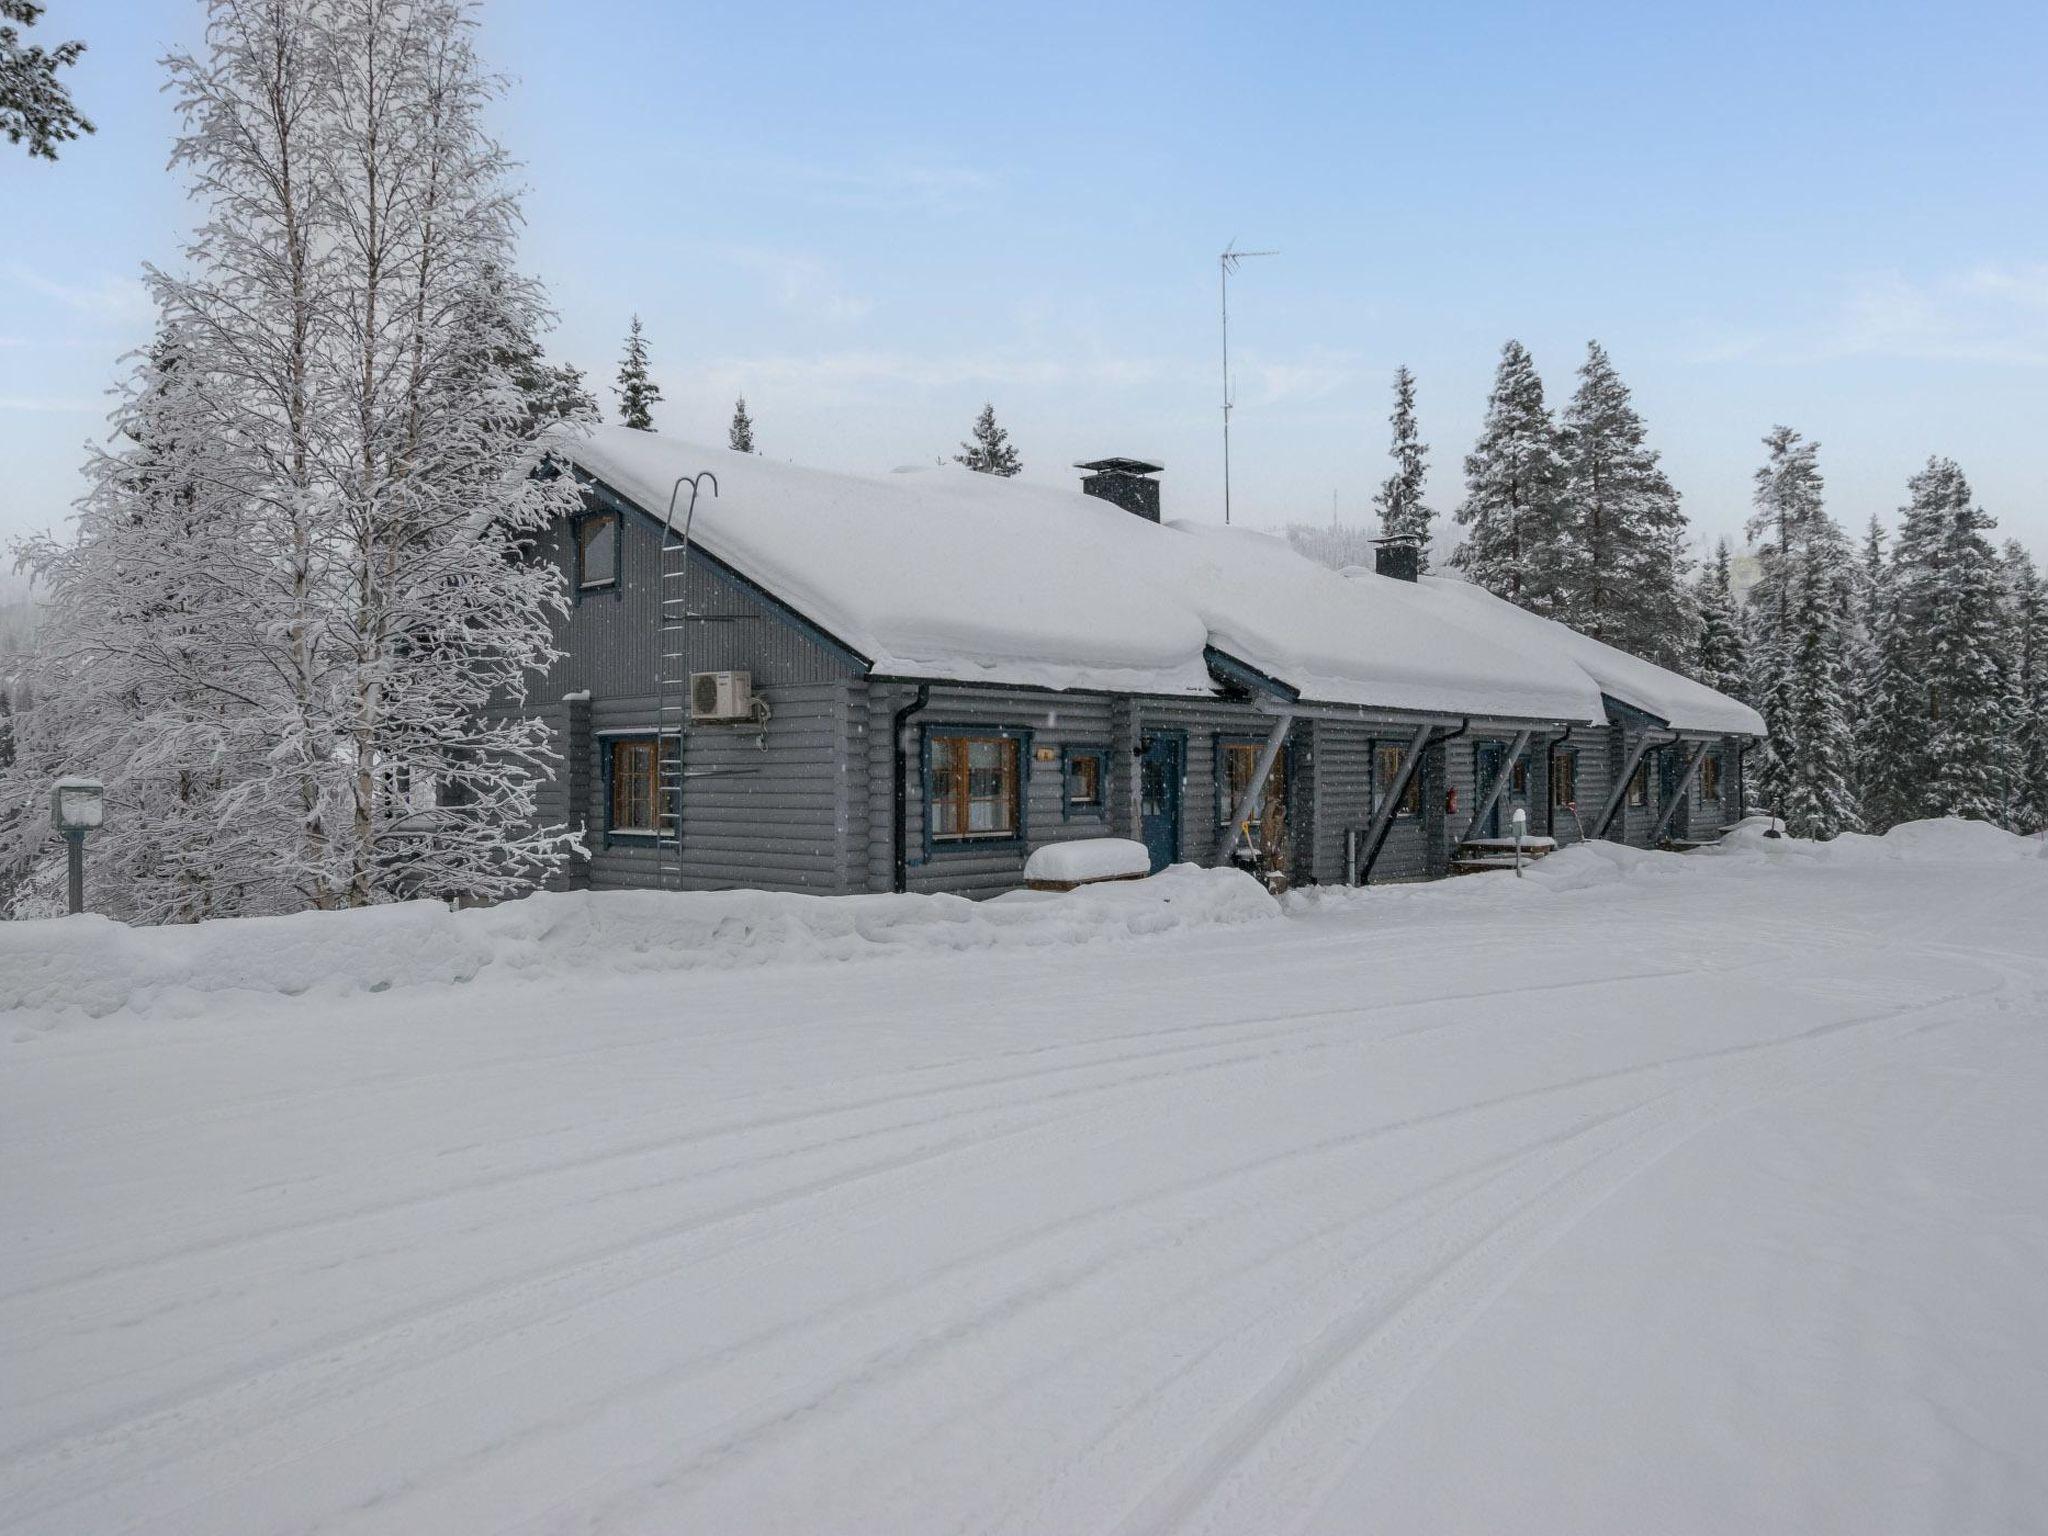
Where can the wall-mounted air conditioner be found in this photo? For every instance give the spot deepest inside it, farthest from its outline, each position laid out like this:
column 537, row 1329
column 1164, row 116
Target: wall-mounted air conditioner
column 721, row 695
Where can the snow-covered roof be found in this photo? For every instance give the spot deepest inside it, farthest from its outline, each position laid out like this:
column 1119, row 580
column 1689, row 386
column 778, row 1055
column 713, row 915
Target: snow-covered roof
column 948, row 575
column 1675, row 699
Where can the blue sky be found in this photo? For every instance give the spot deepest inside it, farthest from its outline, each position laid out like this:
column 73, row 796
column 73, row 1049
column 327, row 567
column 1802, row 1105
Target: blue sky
column 872, row 218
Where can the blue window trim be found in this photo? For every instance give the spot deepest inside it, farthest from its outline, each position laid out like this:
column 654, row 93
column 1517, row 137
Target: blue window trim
column 1069, row 810
column 1224, row 811
column 948, row 847
column 1373, row 786
column 615, row 588
column 603, row 742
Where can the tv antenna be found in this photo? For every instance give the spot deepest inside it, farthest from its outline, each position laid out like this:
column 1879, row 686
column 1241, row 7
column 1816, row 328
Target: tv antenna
column 1225, row 265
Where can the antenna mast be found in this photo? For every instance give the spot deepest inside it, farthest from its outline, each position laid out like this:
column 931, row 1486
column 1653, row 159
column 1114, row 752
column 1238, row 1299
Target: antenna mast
column 1227, row 264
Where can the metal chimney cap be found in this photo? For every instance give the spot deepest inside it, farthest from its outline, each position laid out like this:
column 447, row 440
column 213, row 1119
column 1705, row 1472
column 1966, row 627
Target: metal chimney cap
column 1122, row 466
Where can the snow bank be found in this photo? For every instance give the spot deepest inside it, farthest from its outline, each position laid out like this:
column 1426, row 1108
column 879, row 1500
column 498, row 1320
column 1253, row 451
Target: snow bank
column 1089, row 858
column 93, row 966
column 1941, row 840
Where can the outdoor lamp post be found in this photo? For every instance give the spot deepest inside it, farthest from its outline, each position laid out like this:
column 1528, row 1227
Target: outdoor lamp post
column 77, row 806
column 1521, row 821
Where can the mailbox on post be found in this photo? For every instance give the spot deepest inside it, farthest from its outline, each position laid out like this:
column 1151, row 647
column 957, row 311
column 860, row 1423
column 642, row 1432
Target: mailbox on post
column 77, row 806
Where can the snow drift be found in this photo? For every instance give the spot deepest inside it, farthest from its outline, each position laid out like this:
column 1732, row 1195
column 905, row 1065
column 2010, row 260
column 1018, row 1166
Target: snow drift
column 95, row 966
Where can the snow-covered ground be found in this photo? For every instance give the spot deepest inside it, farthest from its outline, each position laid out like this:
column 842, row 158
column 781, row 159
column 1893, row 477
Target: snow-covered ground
column 1702, row 1194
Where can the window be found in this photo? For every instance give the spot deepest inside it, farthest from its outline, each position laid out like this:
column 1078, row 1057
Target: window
column 1639, row 783
column 635, row 785
column 1564, row 779
column 1710, row 776
column 976, row 788
column 1237, row 762
column 1086, row 781
column 597, row 551
column 1386, row 767
column 1518, row 779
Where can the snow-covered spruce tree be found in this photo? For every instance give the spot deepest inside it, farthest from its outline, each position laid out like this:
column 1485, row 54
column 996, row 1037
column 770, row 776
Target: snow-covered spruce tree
column 1792, row 530
column 2027, row 596
column 1814, row 790
column 1719, row 655
column 1967, row 685
column 138, row 680
column 35, row 106
column 1403, row 512
column 740, row 436
column 989, row 451
column 638, row 393
column 1511, row 513
column 497, row 308
column 1867, row 583
column 344, row 326
column 1620, row 582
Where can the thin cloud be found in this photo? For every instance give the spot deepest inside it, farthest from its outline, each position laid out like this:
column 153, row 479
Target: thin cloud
column 1988, row 314
column 57, row 404
column 110, row 300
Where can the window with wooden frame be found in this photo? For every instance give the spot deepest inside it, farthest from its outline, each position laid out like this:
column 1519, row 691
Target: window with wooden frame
column 597, row 551
column 1710, row 776
column 634, row 775
column 1518, row 778
column 1085, row 774
column 1240, row 760
column 1564, row 779
column 1386, row 767
column 1639, row 783
column 977, row 788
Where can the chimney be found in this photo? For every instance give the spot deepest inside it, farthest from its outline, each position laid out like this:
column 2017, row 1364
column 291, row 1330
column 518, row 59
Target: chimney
column 1400, row 558
column 1127, row 482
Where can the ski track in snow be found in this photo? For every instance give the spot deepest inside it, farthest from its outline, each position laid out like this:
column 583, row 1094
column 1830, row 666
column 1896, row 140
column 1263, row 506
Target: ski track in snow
column 1157, row 1239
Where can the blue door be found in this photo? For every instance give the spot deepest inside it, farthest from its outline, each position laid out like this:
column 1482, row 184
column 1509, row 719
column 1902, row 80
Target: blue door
column 1487, row 760
column 1160, row 770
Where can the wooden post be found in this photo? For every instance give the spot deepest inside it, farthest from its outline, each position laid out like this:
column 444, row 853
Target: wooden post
column 1620, row 791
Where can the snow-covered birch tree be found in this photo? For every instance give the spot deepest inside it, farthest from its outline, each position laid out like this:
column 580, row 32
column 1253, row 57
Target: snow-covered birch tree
column 357, row 488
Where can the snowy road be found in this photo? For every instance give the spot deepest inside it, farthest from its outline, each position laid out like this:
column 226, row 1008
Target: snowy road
column 1712, row 1200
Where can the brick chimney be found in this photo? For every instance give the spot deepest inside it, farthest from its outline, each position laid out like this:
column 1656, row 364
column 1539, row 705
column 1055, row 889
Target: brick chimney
column 1126, row 482
column 1400, row 558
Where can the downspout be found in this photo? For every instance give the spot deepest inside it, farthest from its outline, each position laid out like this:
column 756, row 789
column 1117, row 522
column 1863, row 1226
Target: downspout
column 900, row 809
column 1549, row 789
column 1442, row 811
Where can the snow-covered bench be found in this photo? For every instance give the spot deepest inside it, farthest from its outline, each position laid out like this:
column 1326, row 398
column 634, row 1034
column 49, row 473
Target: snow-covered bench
column 1086, row 861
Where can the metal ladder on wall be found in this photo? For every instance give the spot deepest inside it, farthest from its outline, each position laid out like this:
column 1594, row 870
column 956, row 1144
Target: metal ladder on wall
column 673, row 702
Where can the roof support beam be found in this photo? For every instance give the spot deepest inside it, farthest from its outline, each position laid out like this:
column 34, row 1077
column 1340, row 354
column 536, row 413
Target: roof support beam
column 1620, row 790
column 1693, row 761
column 1383, row 813
column 1499, row 785
column 1249, row 803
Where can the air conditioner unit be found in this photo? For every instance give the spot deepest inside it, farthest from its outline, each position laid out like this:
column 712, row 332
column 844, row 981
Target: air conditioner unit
column 721, row 695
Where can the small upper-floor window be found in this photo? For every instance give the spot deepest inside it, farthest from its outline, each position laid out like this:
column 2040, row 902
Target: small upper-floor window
column 1386, row 767
column 1639, row 782
column 1710, row 776
column 1086, row 790
column 977, row 788
column 597, row 550
column 1564, row 779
